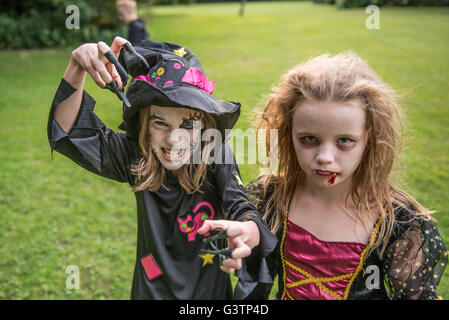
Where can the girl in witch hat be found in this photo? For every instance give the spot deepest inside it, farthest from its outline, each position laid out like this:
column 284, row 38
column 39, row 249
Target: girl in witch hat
column 345, row 231
column 181, row 197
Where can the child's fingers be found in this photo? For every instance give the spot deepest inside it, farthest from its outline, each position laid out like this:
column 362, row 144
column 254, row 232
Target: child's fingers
column 232, row 263
column 102, row 71
column 102, row 49
column 95, row 76
column 234, row 230
column 99, row 64
column 210, row 225
column 247, row 231
column 115, row 76
column 117, row 45
column 240, row 249
column 88, row 58
column 227, row 269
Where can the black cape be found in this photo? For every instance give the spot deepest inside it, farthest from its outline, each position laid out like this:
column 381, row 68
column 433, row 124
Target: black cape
column 168, row 262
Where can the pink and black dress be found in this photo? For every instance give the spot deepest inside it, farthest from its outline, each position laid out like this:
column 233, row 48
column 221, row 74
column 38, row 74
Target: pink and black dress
column 316, row 269
column 311, row 269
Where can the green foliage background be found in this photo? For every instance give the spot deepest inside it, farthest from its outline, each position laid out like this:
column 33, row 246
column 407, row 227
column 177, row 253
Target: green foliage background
column 30, row 23
column 55, row 214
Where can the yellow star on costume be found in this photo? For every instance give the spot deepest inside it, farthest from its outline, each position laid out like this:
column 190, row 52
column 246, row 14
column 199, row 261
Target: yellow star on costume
column 180, row 52
column 207, row 258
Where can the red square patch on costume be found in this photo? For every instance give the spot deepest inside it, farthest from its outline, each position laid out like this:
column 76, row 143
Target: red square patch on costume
column 151, row 268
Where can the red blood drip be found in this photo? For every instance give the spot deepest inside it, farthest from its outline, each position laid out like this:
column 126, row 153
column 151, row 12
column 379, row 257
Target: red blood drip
column 331, row 180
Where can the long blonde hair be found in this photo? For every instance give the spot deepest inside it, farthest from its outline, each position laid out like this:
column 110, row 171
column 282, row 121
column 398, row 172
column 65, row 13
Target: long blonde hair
column 149, row 171
column 342, row 77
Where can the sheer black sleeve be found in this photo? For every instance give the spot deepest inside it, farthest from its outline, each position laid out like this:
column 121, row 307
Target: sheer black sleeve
column 415, row 260
column 238, row 207
column 89, row 143
column 257, row 281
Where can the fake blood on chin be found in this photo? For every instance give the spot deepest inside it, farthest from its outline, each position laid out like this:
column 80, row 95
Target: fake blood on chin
column 330, row 175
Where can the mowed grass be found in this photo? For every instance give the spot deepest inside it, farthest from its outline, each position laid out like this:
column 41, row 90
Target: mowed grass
column 54, row 214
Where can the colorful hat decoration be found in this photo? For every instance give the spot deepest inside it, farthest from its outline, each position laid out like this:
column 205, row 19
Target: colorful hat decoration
column 175, row 79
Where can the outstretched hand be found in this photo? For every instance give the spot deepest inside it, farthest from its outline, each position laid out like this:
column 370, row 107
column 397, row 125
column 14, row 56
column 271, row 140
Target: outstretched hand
column 242, row 237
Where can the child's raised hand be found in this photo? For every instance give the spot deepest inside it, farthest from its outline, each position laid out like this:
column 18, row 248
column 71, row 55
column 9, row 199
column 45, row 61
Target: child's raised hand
column 90, row 57
column 242, row 237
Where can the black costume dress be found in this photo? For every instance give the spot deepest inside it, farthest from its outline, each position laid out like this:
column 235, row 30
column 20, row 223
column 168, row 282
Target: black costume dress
column 168, row 264
column 410, row 268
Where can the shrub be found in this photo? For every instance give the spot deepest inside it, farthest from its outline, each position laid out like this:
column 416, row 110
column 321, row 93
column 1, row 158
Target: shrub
column 28, row 23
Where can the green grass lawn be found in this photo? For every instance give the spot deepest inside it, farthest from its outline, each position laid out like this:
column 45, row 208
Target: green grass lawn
column 54, row 214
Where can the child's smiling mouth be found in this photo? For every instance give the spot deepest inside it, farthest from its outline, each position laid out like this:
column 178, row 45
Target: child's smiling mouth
column 172, row 155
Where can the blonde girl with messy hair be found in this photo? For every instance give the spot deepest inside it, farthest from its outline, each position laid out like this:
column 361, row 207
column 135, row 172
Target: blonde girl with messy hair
column 344, row 230
column 181, row 196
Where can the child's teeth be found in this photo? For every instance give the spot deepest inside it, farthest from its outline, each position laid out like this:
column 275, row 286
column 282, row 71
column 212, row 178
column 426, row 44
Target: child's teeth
column 169, row 151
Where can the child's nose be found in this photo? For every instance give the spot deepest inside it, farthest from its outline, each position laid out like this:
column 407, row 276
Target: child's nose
column 325, row 155
column 170, row 138
column 178, row 137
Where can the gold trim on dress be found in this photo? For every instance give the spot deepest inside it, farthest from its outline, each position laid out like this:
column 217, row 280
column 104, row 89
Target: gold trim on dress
column 362, row 258
column 319, row 281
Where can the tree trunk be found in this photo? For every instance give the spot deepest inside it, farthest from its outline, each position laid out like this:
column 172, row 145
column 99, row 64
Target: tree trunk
column 242, row 8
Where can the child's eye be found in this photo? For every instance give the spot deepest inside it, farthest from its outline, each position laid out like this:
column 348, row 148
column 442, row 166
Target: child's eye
column 309, row 140
column 345, row 141
column 187, row 125
column 161, row 124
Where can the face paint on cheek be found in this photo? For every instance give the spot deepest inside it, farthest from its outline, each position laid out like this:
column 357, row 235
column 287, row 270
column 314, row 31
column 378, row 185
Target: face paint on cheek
column 153, row 149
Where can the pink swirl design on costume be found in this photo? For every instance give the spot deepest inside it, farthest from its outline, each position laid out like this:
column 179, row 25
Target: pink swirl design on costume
column 145, row 78
column 197, row 78
column 190, row 224
column 142, row 77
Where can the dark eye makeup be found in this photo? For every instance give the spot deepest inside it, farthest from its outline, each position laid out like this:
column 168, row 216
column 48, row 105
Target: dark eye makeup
column 342, row 142
column 187, row 123
column 308, row 140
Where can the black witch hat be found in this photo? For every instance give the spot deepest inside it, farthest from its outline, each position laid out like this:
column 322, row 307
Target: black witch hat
column 175, row 78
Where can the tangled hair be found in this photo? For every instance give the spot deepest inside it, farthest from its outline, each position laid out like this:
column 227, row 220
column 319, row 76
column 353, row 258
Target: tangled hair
column 341, row 78
column 149, row 171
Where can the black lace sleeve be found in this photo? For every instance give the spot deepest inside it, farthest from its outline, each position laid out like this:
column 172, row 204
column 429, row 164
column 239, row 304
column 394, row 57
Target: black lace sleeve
column 257, row 194
column 415, row 261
